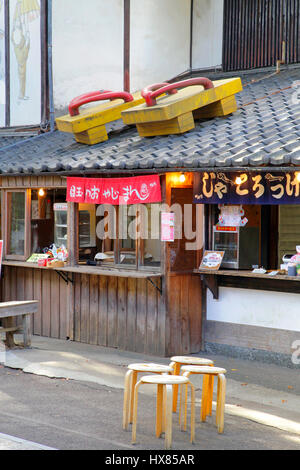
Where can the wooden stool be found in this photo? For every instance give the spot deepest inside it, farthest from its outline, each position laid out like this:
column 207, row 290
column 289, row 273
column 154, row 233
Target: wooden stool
column 165, row 385
column 207, row 373
column 130, row 382
column 177, row 362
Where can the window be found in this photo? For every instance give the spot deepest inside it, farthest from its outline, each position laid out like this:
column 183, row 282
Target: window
column 256, row 244
column 48, row 219
column 151, row 235
column 123, row 236
column 126, row 248
column 32, row 221
column 23, row 57
column 17, row 204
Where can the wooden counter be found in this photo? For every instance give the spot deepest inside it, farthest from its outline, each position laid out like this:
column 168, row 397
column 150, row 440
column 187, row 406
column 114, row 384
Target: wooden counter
column 248, row 280
column 248, row 274
column 92, row 270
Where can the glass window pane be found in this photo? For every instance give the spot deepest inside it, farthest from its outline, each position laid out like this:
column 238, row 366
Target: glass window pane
column 48, row 219
column 92, row 228
column 151, row 234
column 16, row 212
column 127, row 234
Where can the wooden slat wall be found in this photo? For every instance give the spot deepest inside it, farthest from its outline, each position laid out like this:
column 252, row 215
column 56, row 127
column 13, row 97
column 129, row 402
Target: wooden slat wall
column 254, row 31
column 183, row 290
column 45, row 286
column 122, row 313
column 184, row 318
column 289, row 229
column 18, row 182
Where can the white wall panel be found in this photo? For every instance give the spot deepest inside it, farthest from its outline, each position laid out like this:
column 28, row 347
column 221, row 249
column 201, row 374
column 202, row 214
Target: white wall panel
column 207, row 33
column 277, row 310
column 160, row 40
column 87, row 47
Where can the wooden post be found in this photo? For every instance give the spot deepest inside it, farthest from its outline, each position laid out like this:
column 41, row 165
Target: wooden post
column 26, row 330
column 126, row 77
column 73, row 245
column 73, row 248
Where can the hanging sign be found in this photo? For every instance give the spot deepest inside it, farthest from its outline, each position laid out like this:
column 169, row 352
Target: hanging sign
column 167, row 226
column 135, row 190
column 247, row 188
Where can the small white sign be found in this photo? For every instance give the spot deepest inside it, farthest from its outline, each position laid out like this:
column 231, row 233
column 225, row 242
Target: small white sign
column 60, row 206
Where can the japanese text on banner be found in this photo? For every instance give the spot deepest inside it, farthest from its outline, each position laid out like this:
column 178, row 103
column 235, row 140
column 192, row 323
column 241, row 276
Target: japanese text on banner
column 116, row 191
column 247, row 188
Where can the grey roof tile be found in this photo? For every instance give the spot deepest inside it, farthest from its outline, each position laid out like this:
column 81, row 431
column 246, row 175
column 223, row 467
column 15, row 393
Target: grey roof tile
column 293, row 147
column 280, row 158
column 295, row 158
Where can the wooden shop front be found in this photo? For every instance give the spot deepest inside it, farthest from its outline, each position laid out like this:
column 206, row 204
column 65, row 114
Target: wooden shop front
column 138, row 294
column 252, row 217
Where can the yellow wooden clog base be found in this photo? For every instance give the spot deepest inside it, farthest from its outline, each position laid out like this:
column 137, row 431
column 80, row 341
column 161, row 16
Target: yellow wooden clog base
column 89, row 126
column 221, row 108
column 178, row 125
column 92, row 136
column 172, row 113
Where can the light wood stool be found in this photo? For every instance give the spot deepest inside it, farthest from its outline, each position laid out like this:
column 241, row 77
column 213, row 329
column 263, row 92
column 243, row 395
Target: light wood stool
column 177, row 362
column 207, row 373
column 130, row 382
column 165, row 386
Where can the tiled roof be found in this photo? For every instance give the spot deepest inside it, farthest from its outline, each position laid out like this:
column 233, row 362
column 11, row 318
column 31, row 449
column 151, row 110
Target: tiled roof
column 265, row 131
column 8, row 139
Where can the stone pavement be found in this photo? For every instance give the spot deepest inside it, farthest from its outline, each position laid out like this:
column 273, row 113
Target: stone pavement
column 14, row 443
column 262, row 393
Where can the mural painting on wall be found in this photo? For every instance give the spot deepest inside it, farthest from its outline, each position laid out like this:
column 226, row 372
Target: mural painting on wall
column 2, row 65
column 25, row 62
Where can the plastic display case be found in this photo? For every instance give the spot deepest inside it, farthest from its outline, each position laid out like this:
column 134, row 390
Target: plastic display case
column 87, row 225
column 240, row 244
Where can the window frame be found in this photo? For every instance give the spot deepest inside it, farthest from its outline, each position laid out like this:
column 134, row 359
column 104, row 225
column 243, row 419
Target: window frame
column 6, row 220
column 139, row 244
column 73, row 235
column 268, row 233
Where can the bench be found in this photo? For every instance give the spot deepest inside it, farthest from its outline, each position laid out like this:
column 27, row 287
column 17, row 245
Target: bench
column 9, row 311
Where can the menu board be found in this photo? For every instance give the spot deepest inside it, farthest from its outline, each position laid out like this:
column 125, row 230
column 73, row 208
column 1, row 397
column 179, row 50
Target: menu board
column 212, row 260
column 36, row 256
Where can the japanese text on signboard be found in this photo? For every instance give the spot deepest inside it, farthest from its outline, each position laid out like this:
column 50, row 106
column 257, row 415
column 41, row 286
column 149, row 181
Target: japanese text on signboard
column 135, row 190
column 247, row 188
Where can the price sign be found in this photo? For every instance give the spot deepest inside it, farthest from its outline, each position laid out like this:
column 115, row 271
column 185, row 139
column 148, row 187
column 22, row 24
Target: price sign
column 212, row 260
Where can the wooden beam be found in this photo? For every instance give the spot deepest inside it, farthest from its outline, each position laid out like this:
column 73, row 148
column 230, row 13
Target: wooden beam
column 211, row 282
column 127, row 45
column 7, row 62
column 73, row 244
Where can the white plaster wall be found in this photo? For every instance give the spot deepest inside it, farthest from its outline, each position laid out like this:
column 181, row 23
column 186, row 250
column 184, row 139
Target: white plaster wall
column 88, row 43
column 87, row 47
column 160, row 40
column 207, row 33
column 277, row 310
